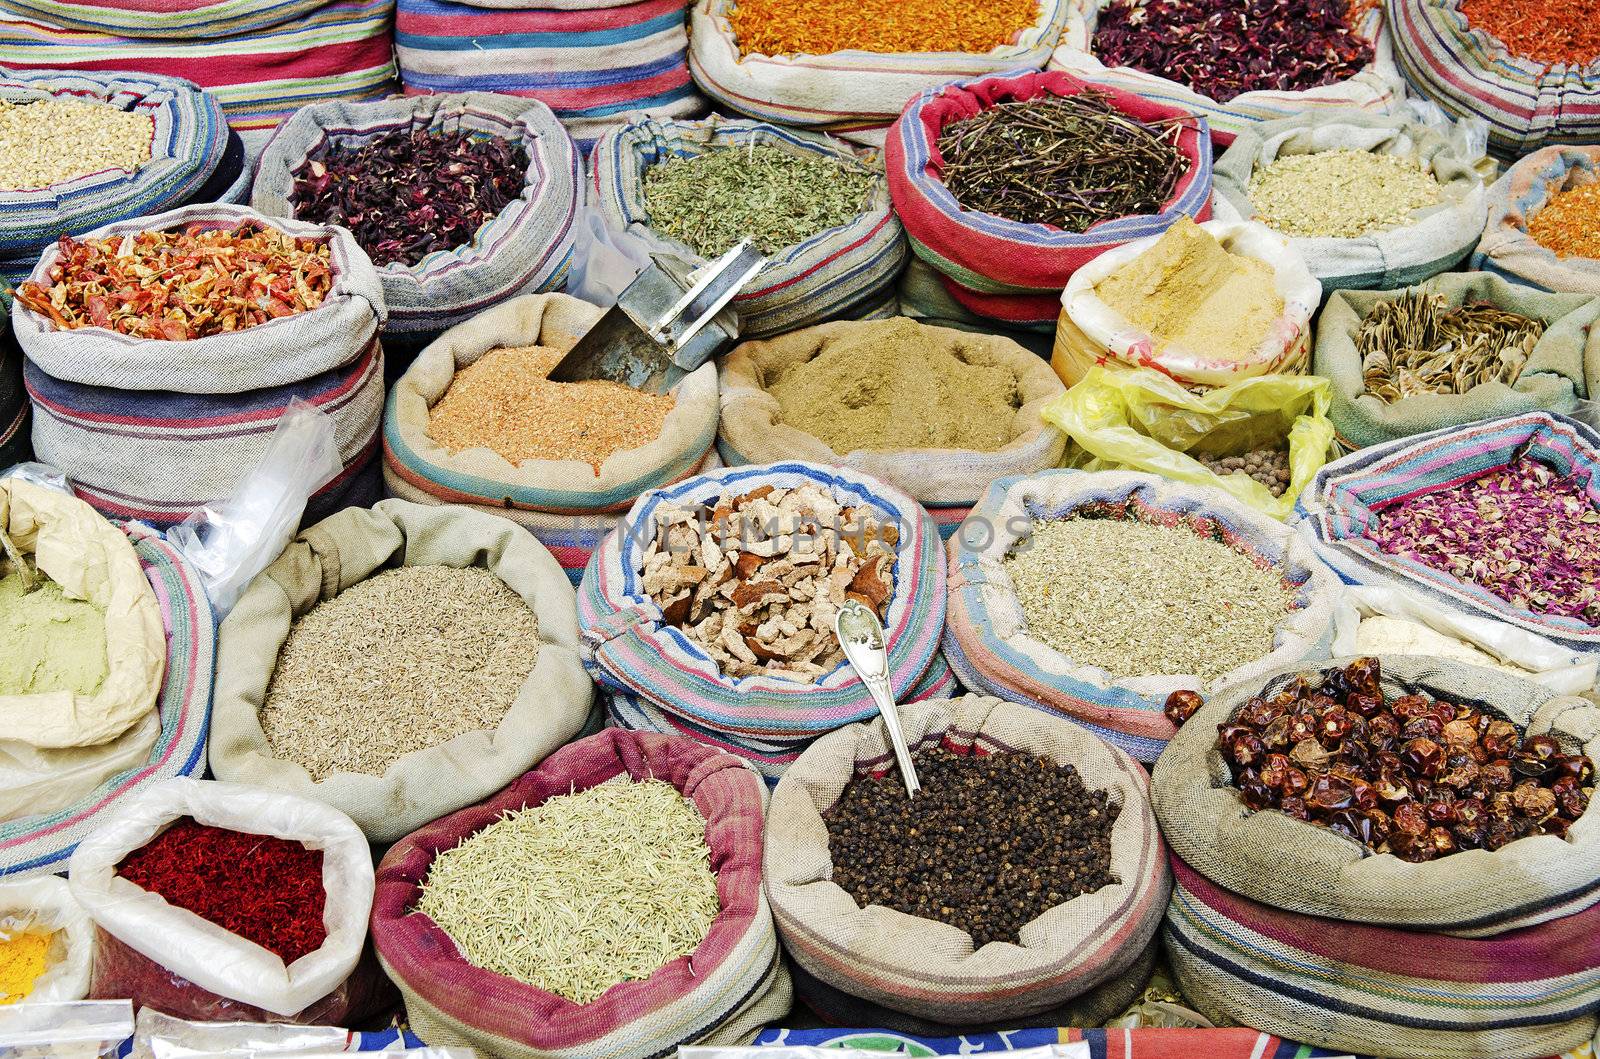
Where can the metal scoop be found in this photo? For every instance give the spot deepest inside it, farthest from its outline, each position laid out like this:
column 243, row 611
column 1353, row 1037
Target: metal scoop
column 861, row 636
column 670, row 320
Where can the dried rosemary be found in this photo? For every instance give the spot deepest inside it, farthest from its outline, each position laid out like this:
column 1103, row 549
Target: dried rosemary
column 1068, row 161
column 1415, row 344
column 582, row 892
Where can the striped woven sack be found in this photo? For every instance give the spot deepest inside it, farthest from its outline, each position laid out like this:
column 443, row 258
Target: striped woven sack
column 262, row 62
column 1556, row 375
column 752, row 429
column 1528, row 104
column 731, row 985
column 524, row 249
column 158, row 456
column 1378, row 88
column 990, row 646
column 845, row 272
column 1147, row 1042
column 1432, row 240
column 40, row 845
column 854, row 93
column 1402, row 993
column 188, row 139
column 1290, row 864
column 929, row 969
column 1004, row 268
column 593, row 66
column 1507, row 249
column 1345, row 498
column 770, row 758
column 924, row 298
column 284, row 351
column 629, row 648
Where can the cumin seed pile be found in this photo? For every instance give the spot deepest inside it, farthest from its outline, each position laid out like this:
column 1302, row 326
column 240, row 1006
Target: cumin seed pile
column 582, row 892
column 407, row 659
column 1137, row 599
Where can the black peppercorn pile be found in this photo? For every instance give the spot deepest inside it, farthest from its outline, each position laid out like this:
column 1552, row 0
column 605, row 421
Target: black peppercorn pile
column 1415, row 777
column 989, row 843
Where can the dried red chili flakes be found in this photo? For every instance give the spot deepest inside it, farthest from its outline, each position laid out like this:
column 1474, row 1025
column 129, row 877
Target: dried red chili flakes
column 1539, row 30
column 265, row 889
column 182, row 285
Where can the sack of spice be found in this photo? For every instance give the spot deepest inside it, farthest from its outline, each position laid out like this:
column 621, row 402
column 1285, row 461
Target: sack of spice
column 1056, row 577
column 1543, row 227
column 260, row 63
column 666, row 953
column 497, row 177
column 1207, row 304
column 217, row 899
column 816, row 207
column 1471, row 845
column 936, row 412
column 1369, row 201
column 1457, row 349
column 16, row 444
column 1260, row 439
column 1497, row 518
column 859, row 909
column 852, row 67
column 335, row 683
column 1390, row 620
column 84, row 149
column 46, row 942
column 594, row 63
column 159, row 456
column 473, row 421
column 925, row 298
column 41, row 842
column 1006, row 247
column 300, row 299
column 1531, row 70
column 1240, row 63
column 758, row 669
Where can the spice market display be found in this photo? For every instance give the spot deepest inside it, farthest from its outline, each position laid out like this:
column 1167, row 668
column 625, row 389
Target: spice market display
column 979, row 526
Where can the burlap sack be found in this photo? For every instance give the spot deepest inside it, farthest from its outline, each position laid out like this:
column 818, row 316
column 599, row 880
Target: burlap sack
column 276, row 353
column 753, row 431
column 929, row 969
column 1436, row 238
column 91, row 560
column 1564, row 367
column 1507, row 249
column 429, row 782
column 1290, row 864
column 415, row 464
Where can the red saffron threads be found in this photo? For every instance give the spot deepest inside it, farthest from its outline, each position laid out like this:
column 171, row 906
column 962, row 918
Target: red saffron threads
column 265, row 889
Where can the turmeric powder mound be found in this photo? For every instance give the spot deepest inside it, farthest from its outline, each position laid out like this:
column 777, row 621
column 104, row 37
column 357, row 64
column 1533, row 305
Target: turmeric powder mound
column 821, row 27
column 504, row 402
column 22, row 961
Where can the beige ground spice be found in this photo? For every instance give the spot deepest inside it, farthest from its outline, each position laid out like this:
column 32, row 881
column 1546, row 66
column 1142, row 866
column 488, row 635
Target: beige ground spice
column 407, row 659
column 897, row 384
column 505, row 403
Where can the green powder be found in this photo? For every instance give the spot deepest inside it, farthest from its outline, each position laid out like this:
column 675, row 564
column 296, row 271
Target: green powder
column 53, row 643
column 891, row 385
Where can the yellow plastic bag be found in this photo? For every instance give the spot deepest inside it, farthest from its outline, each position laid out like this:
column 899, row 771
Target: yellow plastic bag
column 1140, row 420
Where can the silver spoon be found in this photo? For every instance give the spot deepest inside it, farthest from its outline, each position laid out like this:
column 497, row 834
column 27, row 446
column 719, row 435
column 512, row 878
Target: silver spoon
column 861, row 636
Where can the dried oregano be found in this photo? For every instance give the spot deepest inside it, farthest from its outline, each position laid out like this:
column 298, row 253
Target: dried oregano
column 1340, row 194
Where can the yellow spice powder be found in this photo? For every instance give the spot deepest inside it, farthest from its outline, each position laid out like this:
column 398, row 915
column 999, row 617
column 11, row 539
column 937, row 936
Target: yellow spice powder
column 1187, row 290
column 505, row 403
column 22, row 961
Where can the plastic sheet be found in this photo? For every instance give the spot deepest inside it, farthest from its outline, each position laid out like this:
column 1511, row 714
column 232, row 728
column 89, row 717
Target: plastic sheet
column 83, row 1029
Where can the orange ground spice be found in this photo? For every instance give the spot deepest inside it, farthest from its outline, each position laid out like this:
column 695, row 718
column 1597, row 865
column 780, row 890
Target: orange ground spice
column 820, row 27
column 1562, row 32
column 1569, row 224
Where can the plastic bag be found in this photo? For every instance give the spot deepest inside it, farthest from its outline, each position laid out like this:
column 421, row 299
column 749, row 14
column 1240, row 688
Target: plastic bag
column 81, row 1029
column 40, row 474
column 604, row 261
column 232, row 540
column 1077, row 1050
column 46, row 905
column 339, row 1053
column 1140, row 420
column 157, row 1035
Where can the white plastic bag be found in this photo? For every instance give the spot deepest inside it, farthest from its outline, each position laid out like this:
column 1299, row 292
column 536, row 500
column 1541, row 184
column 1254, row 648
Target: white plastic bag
column 40, row 474
column 231, row 541
column 45, row 904
column 604, row 261
column 202, row 952
column 1545, row 662
column 157, row 1035
column 80, row 1029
